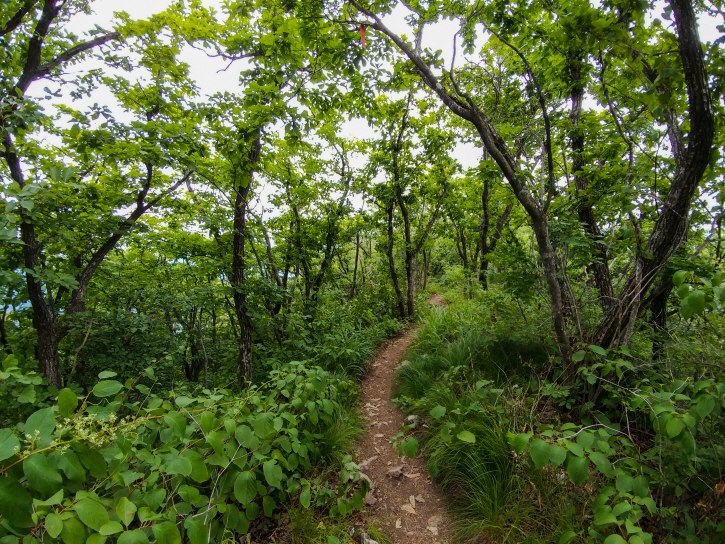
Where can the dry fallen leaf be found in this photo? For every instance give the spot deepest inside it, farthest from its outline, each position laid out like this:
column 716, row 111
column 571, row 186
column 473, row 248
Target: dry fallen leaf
column 433, row 530
column 408, row 508
column 398, row 524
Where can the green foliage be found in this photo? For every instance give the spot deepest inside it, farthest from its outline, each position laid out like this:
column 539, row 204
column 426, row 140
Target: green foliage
column 458, row 382
column 133, row 466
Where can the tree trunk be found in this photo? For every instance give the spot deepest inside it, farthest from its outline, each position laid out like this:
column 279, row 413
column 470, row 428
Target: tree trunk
column 391, row 263
column 354, row 270
column 658, row 306
column 600, row 259
column 670, row 229
column 243, row 183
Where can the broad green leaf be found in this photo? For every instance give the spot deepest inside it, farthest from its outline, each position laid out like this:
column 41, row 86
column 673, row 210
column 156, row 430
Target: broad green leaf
column 567, row 537
column 73, row 531
column 272, row 473
column 520, row 441
column 467, row 436
column 679, row 277
column 557, row 454
column 189, row 494
column 9, row 444
column 305, row 499
column 602, row 463
column 199, row 471
column 50, row 501
column 539, row 451
column 154, row 498
column 268, row 504
column 94, row 462
column 621, row 508
column 67, row 402
column 92, row 513
column 246, row 437
column 438, row 412
column 640, row 487
column 179, row 465
column 41, row 474
column 41, row 424
column 70, row 465
column 604, row 518
column 704, row 406
column 110, row 528
column 196, row 531
column 625, row 483
column 207, row 422
column 184, row 401
column 176, row 422
column 614, row 539
column 411, row 446
column 166, row 533
column 577, row 468
column 674, row 427
column 107, row 388
column 578, row 356
column 53, row 524
column 245, row 487
column 137, row 536
column 27, row 395
column 106, row 374
column 264, row 425
column 575, row 448
column 598, row 350
column 96, row 538
column 696, row 301
column 126, row 511
column 16, row 504
column 252, row 511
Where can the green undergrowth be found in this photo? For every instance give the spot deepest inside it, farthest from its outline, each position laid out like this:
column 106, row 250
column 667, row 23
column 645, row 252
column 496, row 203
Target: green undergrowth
column 462, row 380
column 632, row 450
column 124, row 464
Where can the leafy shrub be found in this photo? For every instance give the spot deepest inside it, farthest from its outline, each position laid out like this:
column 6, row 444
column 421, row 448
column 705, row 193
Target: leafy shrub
column 131, row 465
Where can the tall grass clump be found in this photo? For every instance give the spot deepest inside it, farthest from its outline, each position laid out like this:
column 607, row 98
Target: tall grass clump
column 462, row 378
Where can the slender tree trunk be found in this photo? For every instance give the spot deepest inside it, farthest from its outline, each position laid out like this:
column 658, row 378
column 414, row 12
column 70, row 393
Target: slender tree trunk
column 243, row 183
column 354, row 271
column 600, row 258
column 658, row 306
column 4, row 344
column 691, row 161
column 391, row 262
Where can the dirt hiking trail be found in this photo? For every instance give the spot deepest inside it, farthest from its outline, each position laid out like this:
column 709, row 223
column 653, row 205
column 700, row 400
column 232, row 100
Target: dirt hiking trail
column 403, row 501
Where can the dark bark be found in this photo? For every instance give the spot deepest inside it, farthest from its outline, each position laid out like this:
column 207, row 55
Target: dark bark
column 389, row 246
column 354, row 271
column 658, row 308
column 670, row 229
column 243, row 182
column 332, row 234
column 600, row 258
column 44, row 319
column 486, row 244
column 4, row 344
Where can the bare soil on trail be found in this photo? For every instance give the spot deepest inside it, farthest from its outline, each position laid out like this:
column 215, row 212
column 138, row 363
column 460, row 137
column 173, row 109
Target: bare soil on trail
column 403, row 502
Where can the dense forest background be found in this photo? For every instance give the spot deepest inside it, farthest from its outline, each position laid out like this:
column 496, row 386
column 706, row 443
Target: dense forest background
column 191, row 285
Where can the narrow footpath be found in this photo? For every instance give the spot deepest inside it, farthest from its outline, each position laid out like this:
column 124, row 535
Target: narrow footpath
column 403, row 502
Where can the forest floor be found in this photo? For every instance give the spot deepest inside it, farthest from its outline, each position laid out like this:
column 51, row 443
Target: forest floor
column 403, row 502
